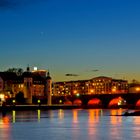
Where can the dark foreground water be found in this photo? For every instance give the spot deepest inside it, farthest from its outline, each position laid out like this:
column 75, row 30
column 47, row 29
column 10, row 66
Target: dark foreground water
column 69, row 125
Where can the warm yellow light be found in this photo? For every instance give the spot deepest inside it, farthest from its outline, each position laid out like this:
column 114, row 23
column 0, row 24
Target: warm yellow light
column 6, row 97
column 60, row 101
column 13, row 101
column 114, row 89
column 137, row 88
column 77, row 94
column 75, row 91
column 38, row 101
column 61, row 114
column 91, row 90
column 38, row 115
column 13, row 116
column 2, row 97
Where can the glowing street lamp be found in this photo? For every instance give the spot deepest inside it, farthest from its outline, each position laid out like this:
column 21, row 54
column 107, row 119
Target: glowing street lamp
column 38, row 101
column 60, row 101
column 77, row 94
column 14, row 101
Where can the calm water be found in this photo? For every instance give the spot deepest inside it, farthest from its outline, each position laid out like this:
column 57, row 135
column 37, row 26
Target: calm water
column 69, row 125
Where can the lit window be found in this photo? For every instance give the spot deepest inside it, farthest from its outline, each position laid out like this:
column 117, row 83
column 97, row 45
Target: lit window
column 75, row 91
column 91, row 90
column 137, row 88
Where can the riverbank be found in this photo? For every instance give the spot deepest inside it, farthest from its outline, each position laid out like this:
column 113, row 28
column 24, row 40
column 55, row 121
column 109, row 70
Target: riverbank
column 55, row 106
column 35, row 107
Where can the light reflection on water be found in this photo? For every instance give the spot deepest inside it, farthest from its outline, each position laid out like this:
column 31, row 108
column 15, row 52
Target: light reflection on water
column 92, row 124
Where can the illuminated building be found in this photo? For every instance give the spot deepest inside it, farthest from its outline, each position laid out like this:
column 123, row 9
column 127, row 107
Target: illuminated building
column 70, row 88
column 107, row 85
column 37, row 84
column 29, row 83
column 97, row 85
column 6, row 82
column 40, row 72
column 134, row 88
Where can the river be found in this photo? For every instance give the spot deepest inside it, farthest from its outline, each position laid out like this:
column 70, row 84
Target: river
column 76, row 124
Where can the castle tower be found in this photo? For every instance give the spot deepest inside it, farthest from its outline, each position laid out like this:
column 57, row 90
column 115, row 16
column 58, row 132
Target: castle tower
column 28, row 85
column 49, row 89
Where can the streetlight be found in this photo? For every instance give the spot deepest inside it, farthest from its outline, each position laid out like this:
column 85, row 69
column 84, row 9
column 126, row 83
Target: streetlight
column 13, row 101
column 77, row 94
column 39, row 102
column 60, row 101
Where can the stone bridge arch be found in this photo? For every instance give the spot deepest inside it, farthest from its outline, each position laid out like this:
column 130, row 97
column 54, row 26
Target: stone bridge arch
column 77, row 102
column 68, row 102
column 138, row 104
column 95, row 102
column 117, row 102
column 132, row 99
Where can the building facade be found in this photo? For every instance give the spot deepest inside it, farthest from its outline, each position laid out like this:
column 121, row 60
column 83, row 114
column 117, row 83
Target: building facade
column 134, row 87
column 31, row 84
column 97, row 85
column 107, row 85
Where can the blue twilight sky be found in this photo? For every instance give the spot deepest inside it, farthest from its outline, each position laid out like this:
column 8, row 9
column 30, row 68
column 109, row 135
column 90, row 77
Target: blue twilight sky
column 72, row 36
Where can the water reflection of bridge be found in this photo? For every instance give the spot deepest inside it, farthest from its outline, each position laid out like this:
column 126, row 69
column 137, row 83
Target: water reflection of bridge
column 102, row 100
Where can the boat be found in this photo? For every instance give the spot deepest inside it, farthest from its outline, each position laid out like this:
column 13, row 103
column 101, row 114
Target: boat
column 134, row 113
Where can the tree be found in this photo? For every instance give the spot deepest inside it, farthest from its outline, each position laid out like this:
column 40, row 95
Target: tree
column 18, row 71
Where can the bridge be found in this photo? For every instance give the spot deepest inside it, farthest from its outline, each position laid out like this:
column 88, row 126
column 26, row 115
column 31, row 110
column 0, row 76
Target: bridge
column 127, row 100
